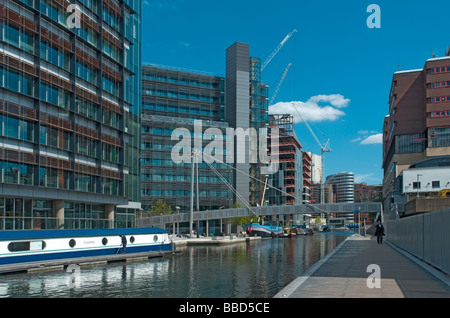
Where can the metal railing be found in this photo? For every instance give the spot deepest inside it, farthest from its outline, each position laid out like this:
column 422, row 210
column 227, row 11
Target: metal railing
column 53, row 223
column 328, row 209
column 424, row 236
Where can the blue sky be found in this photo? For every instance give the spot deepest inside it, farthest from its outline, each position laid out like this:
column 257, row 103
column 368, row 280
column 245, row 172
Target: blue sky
column 341, row 69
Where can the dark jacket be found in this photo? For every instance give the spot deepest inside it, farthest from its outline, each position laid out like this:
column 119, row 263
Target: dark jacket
column 379, row 229
column 124, row 240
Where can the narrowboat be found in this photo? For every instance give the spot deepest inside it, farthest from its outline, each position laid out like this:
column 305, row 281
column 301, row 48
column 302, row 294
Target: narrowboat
column 23, row 246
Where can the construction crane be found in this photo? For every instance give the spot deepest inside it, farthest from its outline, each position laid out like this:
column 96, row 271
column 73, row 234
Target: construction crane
column 323, row 149
column 272, row 55
column 279, row 84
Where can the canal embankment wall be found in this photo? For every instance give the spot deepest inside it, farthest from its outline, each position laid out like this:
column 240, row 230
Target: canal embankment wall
column 426, row 236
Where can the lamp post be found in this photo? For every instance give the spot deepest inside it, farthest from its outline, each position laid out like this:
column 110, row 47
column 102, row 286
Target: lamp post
column 364, row 224
column 418, row 183
column 359, row 220
column 177, row 225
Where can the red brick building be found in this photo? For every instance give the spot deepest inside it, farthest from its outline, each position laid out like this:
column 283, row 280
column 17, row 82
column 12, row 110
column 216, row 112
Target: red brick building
column 418, row 124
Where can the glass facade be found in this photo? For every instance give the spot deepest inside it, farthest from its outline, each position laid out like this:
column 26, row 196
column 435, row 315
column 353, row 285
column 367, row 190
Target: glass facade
column 70, row 108
column 174, row 99
column 132, row 95
column 259, row 106
column 412, row 143
column 439, row 137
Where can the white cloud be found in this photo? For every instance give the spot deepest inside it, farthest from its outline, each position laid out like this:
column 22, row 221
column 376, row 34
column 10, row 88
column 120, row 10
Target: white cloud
column 360, row 178
column 337, row 100
column 372, row 140
column 368, row 137
column 363, row 132
column 311, row 110
column 184, row 44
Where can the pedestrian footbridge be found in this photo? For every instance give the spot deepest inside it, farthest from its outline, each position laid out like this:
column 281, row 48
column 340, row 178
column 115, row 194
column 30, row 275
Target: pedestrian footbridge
column 327, row 209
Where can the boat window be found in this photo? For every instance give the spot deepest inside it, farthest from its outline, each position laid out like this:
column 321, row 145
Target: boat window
column 105, row 241
column 72, row 243
column 132, row 239
column 155, row 238
column 26, row 246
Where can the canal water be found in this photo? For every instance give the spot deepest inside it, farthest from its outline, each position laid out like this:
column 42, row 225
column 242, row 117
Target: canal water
column 257, row 269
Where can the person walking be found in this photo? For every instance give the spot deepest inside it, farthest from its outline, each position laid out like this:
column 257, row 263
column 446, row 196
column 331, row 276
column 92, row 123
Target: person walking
column 124, row 243
column 379, row 232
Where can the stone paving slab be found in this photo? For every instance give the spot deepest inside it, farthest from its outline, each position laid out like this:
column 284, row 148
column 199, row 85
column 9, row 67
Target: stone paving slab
column 344, row 273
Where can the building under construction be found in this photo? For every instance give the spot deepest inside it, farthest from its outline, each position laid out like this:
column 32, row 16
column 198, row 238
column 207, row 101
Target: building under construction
column 307, row 183
column 286, row 186
column 258, row 120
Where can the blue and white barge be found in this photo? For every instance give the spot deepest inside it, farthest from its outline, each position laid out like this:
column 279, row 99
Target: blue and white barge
column 23, row 246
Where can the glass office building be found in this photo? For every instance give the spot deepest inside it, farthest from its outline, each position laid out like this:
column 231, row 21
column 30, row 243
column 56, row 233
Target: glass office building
column 176, row 98
column 70, row 110
column 173, row 99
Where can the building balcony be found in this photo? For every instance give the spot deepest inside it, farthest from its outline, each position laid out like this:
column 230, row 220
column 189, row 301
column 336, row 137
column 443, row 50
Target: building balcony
column 282, row 144
column 290, row 160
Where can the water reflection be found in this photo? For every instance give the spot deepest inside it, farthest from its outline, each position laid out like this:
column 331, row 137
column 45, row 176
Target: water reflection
column 254, row 270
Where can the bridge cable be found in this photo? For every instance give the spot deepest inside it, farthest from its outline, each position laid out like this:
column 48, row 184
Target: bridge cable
column 231, row 188
column 268, row 185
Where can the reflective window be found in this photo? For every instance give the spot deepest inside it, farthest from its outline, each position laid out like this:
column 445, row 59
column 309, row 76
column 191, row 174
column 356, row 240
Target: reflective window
column 17, row 37
column 16, row 173
column 439, row 137
column 413, row 143
column 26, row 246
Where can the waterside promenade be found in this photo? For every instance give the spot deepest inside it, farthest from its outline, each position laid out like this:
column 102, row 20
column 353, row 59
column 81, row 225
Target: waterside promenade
column 347, row 272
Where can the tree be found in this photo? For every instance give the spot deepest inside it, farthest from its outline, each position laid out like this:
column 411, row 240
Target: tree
column 242, row 220
column 160, row 208
column 236, row 205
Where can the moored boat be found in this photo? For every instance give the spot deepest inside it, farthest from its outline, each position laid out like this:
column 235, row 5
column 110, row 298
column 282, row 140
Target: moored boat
column 266, row 230
column 40, row 245
column 290, row 232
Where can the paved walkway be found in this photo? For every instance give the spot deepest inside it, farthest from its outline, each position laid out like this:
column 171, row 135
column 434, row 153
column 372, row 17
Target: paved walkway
column 344, row 274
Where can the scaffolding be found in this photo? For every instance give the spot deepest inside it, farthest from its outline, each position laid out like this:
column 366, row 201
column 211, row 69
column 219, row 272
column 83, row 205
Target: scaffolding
column 258, row 120
column 289, row 176
column 285, row 122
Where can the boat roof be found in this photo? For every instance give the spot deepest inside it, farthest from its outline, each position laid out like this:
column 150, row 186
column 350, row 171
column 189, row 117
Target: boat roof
column 42, row 234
